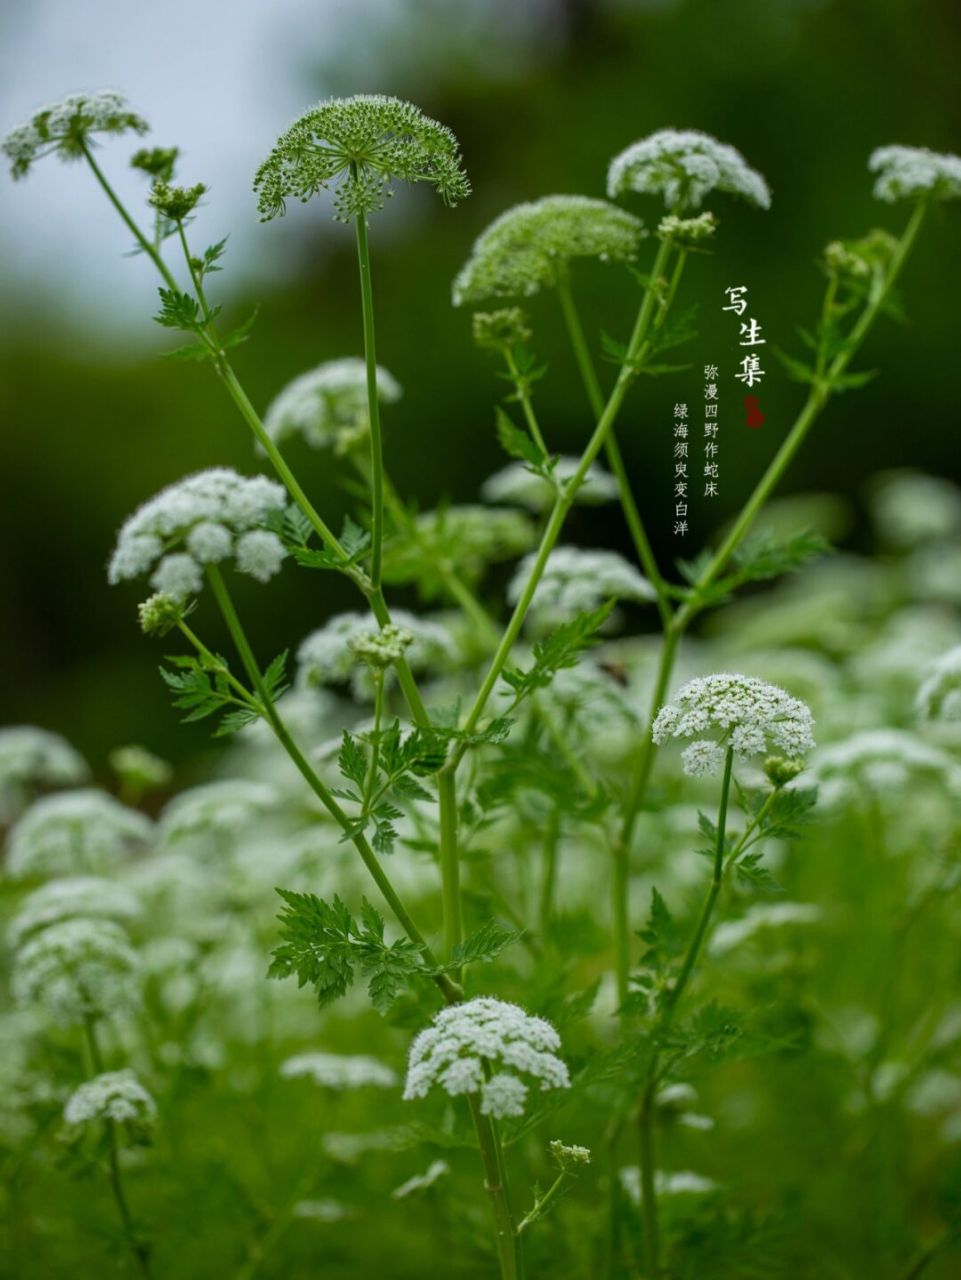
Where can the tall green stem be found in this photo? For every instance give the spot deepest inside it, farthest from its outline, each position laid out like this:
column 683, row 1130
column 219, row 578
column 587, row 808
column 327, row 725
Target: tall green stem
column 505, row 1237
column 373, row 405
column 450, row 990
column 139, row 1249
column 549, row 881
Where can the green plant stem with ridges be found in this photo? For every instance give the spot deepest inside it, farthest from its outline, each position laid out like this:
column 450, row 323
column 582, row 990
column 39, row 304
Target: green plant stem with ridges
column 138, row 1248
column 505, row 1236
column 373, row 405
column 450, row 990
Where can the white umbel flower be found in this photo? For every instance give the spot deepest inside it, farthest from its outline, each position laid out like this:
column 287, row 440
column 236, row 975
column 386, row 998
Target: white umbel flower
column 85, row 831
column 328, row 655
column 75, row 970
column 113, row 1095
column 939, row 697
column 683, row 166
column 746, row 713
column 340, row 1071
column 576, row 580
column 67, row 127
column 203, row 519
column 906, row 173
column 487, row 1047
column 531, row 246
column 517, row 486
column 328, row 405
column 73, row 897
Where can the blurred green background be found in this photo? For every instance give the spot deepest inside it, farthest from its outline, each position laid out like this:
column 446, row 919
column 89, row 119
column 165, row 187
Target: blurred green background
column 541, row 96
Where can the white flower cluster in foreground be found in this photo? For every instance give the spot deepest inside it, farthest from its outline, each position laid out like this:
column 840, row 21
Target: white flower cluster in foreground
column 575, row 580
column 67, row 126
column 328, row 655
column 530, row 246
column 328, row 405
column 488, row 1047
column 73, row 832
column 939, row 697
column 340, row 1071
column 203, row 519
column 75, row 970
column 67, row 899
column 517, row 485
column 113, row 1095
column 910, row 172
column 35, row 757
column 685, row 165
column 748, row 714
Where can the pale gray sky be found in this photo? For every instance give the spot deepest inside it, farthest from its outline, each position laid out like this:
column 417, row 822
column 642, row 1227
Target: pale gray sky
column 220, row 78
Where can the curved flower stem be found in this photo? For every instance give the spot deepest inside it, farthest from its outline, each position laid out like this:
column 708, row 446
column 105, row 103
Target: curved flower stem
column 240, row 398
column 138, row 1247
column 615, row 461
column 505, row 1235
column 649, row 1097
column 373, row 405
column 450, row 990
column 817, row 399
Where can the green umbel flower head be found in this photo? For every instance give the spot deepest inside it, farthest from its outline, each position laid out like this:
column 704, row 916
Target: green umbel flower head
column 530, row 246
column 362, row 145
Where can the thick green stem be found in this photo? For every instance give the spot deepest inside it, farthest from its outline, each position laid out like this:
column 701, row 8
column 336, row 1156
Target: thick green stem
column 451, row 991
column 139, row 1250
column 505, row 1238
column 373, row 405
column 592, row 387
